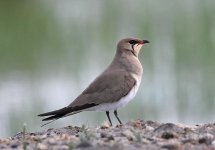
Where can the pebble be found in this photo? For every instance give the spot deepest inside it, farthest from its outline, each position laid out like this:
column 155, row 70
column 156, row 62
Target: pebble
column 73, row 138
column 213, row 143
column 103, row 135
column 14, row 145
column 130, row 135
column 149, row 127
column 65, row 136
column 105, row 125
column 64, row 147
column 206, row 138
column 167, row 135
column 52, row 141
column 137, row 124
column 171, row 146
column 4, row 140
column 41, row 146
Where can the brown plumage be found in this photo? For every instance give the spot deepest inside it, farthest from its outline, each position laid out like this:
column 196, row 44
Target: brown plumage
column 113, row 85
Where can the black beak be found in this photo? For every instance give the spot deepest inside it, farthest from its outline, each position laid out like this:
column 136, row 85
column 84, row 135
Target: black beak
column 145, row 41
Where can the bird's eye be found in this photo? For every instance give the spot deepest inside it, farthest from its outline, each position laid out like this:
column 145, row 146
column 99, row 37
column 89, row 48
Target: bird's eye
column 132, row 42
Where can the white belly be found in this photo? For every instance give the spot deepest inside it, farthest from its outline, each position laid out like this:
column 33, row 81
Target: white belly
column 115, row 105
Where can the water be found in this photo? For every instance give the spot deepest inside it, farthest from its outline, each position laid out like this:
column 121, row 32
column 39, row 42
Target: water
column 50, row 51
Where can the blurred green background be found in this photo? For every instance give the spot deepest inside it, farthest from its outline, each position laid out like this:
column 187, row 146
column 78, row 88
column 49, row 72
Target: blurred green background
column 51, row 50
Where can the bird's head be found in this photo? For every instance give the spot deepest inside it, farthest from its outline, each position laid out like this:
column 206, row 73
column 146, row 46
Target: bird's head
column 131, row 45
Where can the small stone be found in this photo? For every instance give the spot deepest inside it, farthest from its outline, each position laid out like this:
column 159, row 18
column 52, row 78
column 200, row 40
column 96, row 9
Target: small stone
column 213, row 143
column 171, row 146
column 52, row 141
column 44, row 136
column 110, row 138
column 119, row 125
column 206, row 138
column 73, row 138
column 103, row 135
column 145, row 141
column 14, row 145
column 65, row 136
column 149, row 128
column 50, row 129
column 64, row 147
column 188, row 140
column 100, row 143
column 70, row 127
column 84, row 144
column 2, row 146
column 34, row 138
column 41, row 146
column 169, row 127
column 137, row 124
column 151, row 123
column 4, row 140
column 32, row 134
column 105, row 125
column 207, row 135
column 130, row 136
column 167, row 135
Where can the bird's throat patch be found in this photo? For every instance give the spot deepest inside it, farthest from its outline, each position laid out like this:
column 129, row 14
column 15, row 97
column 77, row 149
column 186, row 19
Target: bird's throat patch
column 133, row 50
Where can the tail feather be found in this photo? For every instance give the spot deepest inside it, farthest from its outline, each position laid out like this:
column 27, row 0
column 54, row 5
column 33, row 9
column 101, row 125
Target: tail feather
column 63, row 112
column 53, row 117
column 59, row 111
column 58, row 116
column 50, row 122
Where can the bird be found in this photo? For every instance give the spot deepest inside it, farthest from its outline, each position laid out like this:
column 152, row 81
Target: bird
column 113, row 88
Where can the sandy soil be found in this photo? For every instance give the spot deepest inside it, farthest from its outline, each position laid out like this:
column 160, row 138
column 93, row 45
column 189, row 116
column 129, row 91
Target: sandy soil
column 138, row 134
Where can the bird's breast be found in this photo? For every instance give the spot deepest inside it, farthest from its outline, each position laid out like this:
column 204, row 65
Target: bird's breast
column 118, row 104
column 135, row 68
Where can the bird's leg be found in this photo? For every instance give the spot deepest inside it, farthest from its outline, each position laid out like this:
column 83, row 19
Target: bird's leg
column 116, row 115
column 107, row 113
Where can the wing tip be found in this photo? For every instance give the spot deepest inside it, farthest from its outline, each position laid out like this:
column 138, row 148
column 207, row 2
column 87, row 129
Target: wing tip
column 40, row 115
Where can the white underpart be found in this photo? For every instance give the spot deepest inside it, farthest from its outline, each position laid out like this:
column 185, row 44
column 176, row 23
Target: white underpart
column 120, row 103
column 137, row 47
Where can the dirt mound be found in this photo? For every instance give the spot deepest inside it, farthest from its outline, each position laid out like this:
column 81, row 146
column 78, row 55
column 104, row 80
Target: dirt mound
column 139, row 134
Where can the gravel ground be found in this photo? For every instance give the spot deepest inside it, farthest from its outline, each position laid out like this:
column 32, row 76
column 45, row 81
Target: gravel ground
column 134, row 135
